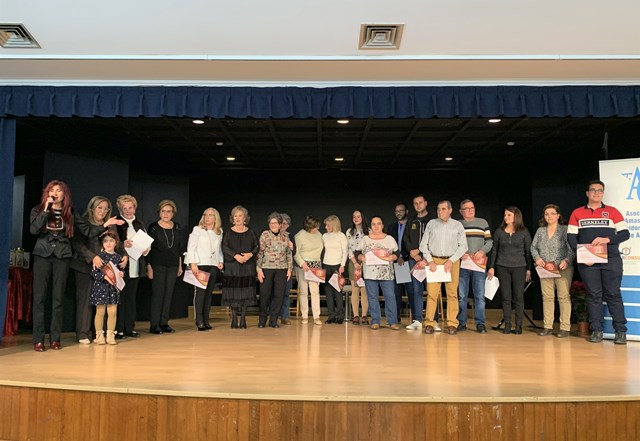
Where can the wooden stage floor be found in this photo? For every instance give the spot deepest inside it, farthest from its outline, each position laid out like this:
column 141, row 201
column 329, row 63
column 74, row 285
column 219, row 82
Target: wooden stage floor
column 343, row 363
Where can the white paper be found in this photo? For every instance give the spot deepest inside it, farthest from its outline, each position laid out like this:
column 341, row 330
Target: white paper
column 491, row 287
column 333, row 281
column 140, row 242
column 471, row 265
column 438, row 276
column 403, row 274
column 544, row 273
column 587, row 253
column 312, row 277
column 360, row 282
column 119, row 279
column 419, row 273
column 372, row 259
column 200, row 281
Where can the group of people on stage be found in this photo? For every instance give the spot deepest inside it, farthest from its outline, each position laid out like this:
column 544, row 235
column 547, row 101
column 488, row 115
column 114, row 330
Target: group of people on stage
column 95, row 246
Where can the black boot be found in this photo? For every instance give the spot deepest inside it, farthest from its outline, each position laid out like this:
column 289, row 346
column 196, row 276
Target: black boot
column 234, row 318
column 243, row 320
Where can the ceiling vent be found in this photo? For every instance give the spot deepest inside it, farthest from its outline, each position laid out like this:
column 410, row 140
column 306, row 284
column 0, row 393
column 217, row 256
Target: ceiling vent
column 16, row 36
column 380, row 36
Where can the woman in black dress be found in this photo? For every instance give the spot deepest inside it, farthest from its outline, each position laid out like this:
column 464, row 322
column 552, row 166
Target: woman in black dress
column 239, row 247
column 165, row 265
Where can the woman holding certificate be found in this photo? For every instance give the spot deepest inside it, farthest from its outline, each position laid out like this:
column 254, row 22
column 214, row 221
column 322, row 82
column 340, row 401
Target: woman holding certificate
column 165, row 266
column 377, row 251
column 239, row 246
column 510, row 262
column 359, row 229
column 308, row 256
column 87, row 244
column 554, row 263
column 204, row 257
column 335, row 257
column 274, row 264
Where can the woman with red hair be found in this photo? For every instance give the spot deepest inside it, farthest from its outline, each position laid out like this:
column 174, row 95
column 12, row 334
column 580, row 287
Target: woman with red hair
column 52, row 221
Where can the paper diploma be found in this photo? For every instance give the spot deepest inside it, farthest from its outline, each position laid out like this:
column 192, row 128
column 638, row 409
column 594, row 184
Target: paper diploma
column 112, row 274
column 337, row 281
column 588, row 253
column 315, row 275
column 548, row 271
column 439, row 275
column 199, row 281
column 473, row 264
column 373, row 259
column 357, row 275
column 141, row 242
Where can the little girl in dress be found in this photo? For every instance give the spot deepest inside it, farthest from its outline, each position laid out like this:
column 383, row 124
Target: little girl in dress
column 104, row 293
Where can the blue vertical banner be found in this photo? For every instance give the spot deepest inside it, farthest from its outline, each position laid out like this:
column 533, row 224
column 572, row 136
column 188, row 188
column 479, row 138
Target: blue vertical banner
column 7, row 161
column 622, row 180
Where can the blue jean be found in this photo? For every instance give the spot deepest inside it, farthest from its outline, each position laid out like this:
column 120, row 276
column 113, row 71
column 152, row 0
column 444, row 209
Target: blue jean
column 416, row 301
column 477, row 285
column 389, row 295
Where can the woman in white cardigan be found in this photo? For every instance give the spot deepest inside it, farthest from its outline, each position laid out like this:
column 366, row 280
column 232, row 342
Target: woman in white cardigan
column 204, row 253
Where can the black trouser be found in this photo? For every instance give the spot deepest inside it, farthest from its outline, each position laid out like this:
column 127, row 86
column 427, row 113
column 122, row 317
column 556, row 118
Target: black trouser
column 275, row 281
column 512, row 280
column 162, row 284
column 335, row 306
column 602, row 281
column 127, row 313
column 48, row 273
column 202, row 297
column 84, row 311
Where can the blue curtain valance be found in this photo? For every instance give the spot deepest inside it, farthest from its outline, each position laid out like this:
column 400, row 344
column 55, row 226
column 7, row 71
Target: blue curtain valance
column 307, row 102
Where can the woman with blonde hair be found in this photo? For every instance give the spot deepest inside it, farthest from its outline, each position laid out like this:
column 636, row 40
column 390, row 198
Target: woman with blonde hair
column 87, row 246
column 204, row 253
column 336, row 250
column 239, row 246
column 308, row 255
column 135, row 269
column 165, row 265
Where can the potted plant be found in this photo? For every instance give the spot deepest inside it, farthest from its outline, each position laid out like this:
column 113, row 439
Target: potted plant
column 579, row 309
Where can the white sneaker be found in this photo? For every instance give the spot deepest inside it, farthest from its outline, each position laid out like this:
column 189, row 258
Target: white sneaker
column 317, row 321
column 414, row 326
column 84, row 341
column 437, row 328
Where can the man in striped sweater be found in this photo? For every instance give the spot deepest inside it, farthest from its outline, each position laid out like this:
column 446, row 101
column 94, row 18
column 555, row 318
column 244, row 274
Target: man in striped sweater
column 479, row 242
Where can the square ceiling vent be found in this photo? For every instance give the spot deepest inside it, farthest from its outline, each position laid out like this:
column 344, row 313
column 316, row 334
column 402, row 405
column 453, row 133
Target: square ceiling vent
column 16, row 36
column 380, row 36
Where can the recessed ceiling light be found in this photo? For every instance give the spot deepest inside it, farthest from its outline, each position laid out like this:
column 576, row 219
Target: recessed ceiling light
column 219, row 143
column 339, row 159
column 511, row 143
column 448, row 158
column 231, row 158
column 343, row 121
column 494, row 120
column 197, row 121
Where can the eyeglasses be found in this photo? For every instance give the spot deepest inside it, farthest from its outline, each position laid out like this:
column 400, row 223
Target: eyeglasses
column 400, row 211
column 596, row 190
column 468, row 209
